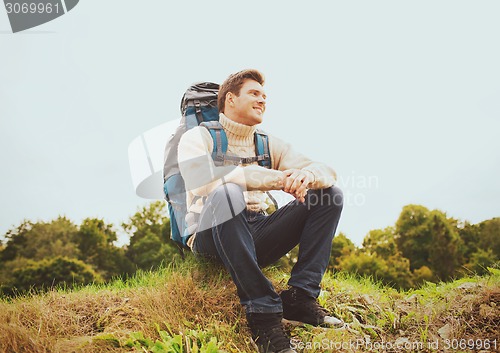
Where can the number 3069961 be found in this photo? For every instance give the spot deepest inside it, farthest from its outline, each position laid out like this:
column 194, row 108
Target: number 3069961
column 26, row 8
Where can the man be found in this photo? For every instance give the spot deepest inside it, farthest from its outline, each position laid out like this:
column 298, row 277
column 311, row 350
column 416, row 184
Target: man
column 227, row 211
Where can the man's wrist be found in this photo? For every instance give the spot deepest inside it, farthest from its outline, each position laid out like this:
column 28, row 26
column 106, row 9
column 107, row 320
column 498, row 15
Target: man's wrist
column 313, row 177
column 282, row 181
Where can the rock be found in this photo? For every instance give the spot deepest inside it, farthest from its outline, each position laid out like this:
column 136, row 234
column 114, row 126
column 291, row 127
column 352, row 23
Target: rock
column 367, row 300
column 468, row 285
column 402, row 342
column 412, row 298
column 445, row 331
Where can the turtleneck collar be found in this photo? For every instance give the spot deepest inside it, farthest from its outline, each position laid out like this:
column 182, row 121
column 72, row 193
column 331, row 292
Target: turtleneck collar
column 235, row 128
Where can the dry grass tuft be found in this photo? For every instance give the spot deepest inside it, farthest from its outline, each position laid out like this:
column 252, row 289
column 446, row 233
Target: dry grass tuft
column 484, row 316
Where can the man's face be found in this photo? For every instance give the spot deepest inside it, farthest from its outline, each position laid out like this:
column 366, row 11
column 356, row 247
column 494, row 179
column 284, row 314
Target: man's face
column 249, row 106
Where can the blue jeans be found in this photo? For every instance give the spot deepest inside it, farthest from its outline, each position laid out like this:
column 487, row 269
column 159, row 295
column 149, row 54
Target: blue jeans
column 248, row 241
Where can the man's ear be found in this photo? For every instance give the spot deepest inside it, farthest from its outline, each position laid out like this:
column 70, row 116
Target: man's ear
column 229, row 98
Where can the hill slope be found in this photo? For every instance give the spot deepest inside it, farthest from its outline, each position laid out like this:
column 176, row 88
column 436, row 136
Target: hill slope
column 194, row 306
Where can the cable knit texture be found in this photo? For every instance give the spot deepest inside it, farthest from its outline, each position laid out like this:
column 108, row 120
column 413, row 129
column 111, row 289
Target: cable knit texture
column 202, row 176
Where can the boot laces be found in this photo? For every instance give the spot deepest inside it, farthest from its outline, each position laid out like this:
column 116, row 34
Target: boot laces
column 274, row 338
column 310, row 304
column 268, row 332
column 313, row 307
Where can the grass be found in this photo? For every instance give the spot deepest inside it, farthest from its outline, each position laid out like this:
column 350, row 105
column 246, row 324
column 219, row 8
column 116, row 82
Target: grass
column 193, row 307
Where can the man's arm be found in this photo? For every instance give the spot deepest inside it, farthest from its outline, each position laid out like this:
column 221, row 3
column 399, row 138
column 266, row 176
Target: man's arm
column 201, row 176
column 301, row 172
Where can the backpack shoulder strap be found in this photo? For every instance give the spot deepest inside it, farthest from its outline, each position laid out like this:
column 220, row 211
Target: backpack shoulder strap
column 264, row 156
column 219, row 138
column 262, row 148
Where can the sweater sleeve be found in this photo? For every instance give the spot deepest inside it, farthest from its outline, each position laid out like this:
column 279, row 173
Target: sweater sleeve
column 201, row 176
column 284, row 157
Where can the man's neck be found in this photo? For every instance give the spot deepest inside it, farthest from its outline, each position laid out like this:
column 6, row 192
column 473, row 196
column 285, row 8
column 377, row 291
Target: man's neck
column 235, row 127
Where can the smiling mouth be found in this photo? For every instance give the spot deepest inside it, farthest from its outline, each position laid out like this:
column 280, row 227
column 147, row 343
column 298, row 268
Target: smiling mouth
column 259, row 109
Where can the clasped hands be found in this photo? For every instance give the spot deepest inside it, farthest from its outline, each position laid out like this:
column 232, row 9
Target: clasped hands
column 295, row 182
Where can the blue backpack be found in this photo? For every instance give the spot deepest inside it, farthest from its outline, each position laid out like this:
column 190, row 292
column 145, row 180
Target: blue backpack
column 199, row 107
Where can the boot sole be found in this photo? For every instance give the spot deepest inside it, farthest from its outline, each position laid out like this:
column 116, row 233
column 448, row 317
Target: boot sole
column 302, row 324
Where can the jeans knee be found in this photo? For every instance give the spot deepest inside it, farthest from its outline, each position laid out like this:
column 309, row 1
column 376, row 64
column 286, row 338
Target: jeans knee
column 231, row 189
column 331, row 197
column 337, row 196
column 229, row 193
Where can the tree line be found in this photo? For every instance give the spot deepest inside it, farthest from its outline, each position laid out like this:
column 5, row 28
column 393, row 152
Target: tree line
column 423, row 245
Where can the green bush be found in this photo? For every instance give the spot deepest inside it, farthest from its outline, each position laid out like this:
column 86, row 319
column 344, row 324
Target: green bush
column 51, row 272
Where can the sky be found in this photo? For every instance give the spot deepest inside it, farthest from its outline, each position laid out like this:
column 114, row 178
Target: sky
column 402, row 99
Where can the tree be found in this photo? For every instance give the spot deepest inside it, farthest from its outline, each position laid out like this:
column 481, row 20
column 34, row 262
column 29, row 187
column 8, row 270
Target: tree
column 393, row 271
column 40, row 240
column 490, row 236
column 149, row 251
column 480, row 261
column 150, row 242
column 422, row 274
column 381, row 242
column 470, row 235
column 444, row 252
column 16, row 241
column 341, row 247
column 429, row 238
column 92, row 235
column 153, row 218
column 413, row 235
column 95, row 241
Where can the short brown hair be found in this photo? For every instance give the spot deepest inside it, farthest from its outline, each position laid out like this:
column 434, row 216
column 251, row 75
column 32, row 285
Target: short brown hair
column 234, row 82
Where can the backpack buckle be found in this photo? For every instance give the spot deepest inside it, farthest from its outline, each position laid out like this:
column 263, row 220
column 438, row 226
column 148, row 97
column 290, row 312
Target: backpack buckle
column 197, row 106
column 218, row 159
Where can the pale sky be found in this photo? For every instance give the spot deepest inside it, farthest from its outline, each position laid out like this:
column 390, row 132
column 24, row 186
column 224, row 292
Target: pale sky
column 401, row 98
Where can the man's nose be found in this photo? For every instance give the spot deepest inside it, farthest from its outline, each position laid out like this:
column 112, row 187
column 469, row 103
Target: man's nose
column 261, row 99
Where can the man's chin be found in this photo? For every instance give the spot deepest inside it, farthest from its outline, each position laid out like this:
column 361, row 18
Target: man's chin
column 253, row 120
column 258, row 119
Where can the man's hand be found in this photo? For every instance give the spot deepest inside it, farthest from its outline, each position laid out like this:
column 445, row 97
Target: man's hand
column 296, row 182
